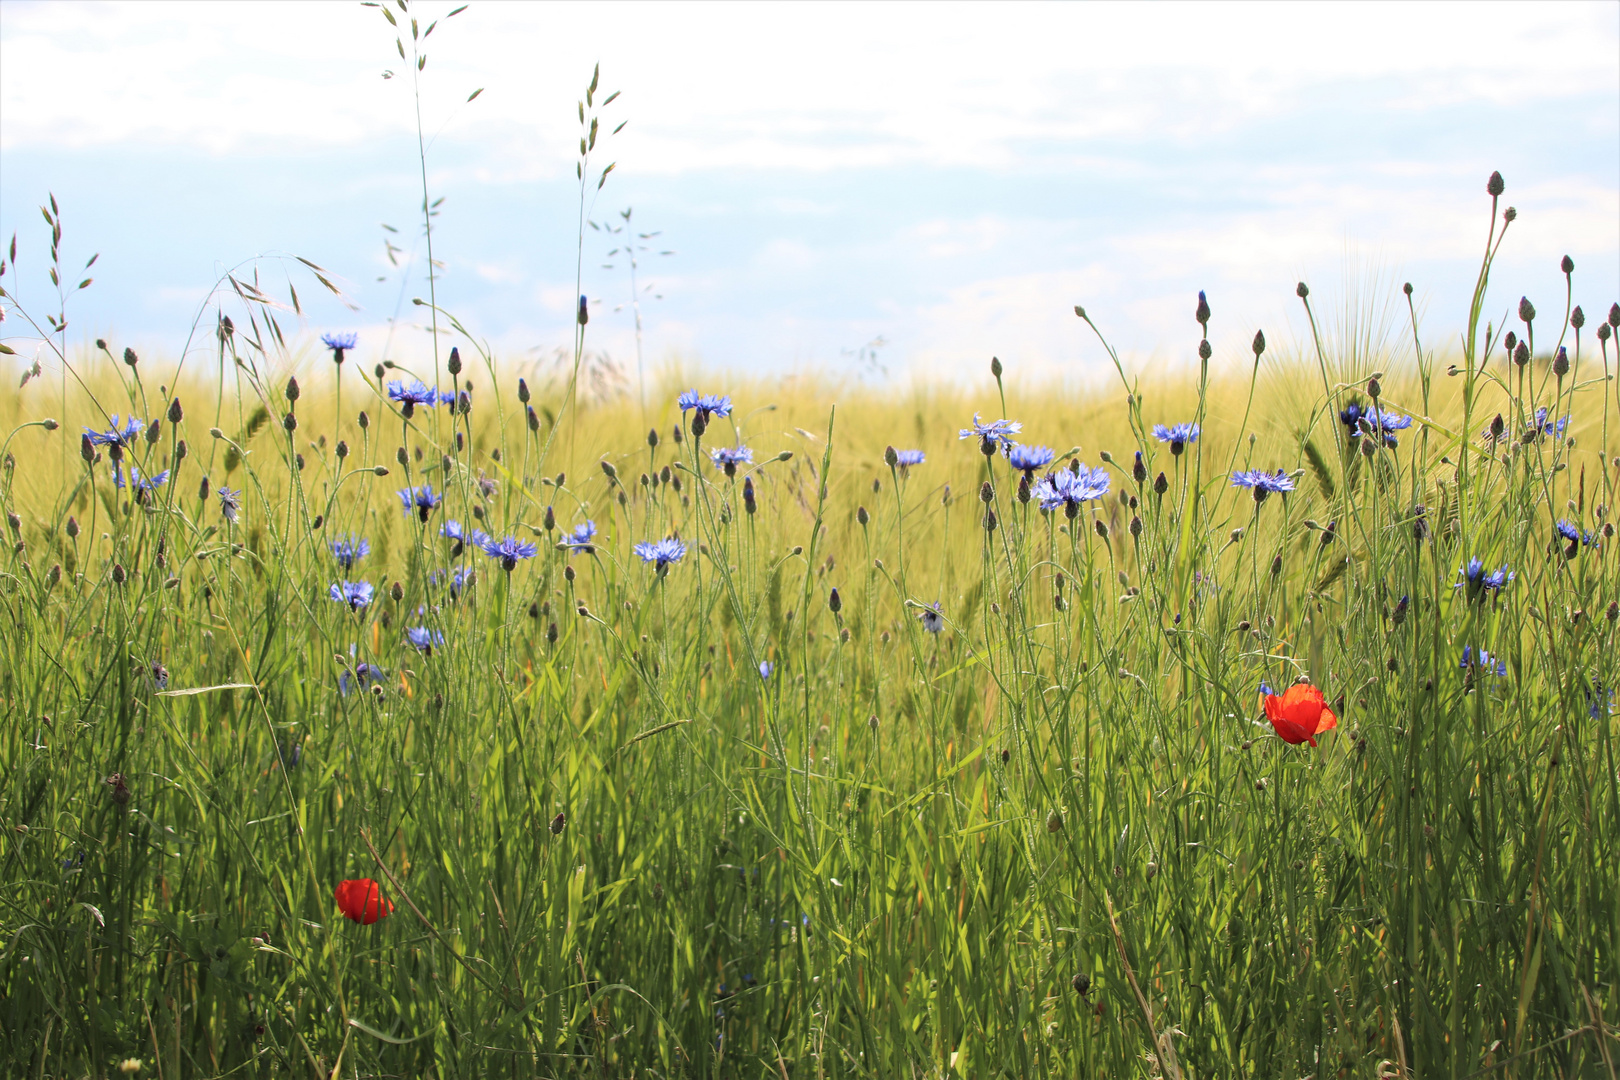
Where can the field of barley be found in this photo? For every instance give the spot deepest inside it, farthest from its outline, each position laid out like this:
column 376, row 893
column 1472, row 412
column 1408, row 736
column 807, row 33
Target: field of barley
column 1248, row 717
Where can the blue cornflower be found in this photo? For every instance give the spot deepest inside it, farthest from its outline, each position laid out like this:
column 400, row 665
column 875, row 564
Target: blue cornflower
column 139, row 482
column 905, row 459
column 1576, row 536
column 729, row 457
column 1351, row 416
column 508, row 550
column 117, row 435
column 1377, row 422
column 230, row 503
column 422, row 499
column 996, row 434
column 1484, row 662
column 1177, row 435
column 662, row 553
column 348, row 550
column 452, row 529
column 707, row 405
column 1539, row 427
column 1066, row 489
column 1029, row 458
column 581, row 538
column 1266, row 691
column 423, row 639
column 339, row 344
column 1263, row 483
column 462, row 577
column 417, row 392
column 933, row 621
column 357, row 594
column 1477, row 582
column 362, row 675
column 1599, row 703
column 765, row 669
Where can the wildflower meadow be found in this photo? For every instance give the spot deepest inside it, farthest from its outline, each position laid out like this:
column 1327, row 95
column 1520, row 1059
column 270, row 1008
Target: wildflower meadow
column 415, row 716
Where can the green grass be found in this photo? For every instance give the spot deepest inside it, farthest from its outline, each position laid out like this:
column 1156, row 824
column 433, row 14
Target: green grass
column 900, row 855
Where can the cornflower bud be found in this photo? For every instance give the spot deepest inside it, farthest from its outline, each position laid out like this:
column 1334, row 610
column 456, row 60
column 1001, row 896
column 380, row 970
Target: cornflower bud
column 1204, row 351
column 292, row 388
column 987, row 493
column 72, row 528
column 891, row 457
column 1302, row 290
column 1259, row 345
column 834, row 603
column 342, row 450
column 1527, row 310
column 1521, row 355
column 290, row 422
column 402, row 457
column 1201, row 314
column 181, row 451
column 1495, row 186
column 176, row 413
column 1139, row 469
column 1510, row 215
column 612, row 473
column 1161, row 484
column 87, row 449
column 397, row 591
column 453, row 365
column 990, row 521
column 549, row 520
column 1567, row 265
column 1023, row 489
column 130, row 358
column 1577, row 318
column 1560, row 365
column 861, row 516
column 365, row 421
column 995, row 367
column 1102, row 529
column 652, row 438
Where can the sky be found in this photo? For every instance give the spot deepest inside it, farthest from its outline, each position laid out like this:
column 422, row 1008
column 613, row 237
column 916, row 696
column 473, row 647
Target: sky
column 881, row 191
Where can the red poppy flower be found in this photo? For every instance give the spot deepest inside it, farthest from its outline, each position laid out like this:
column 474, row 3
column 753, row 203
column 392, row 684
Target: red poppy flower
column 361, row 901
column 1300, row 714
